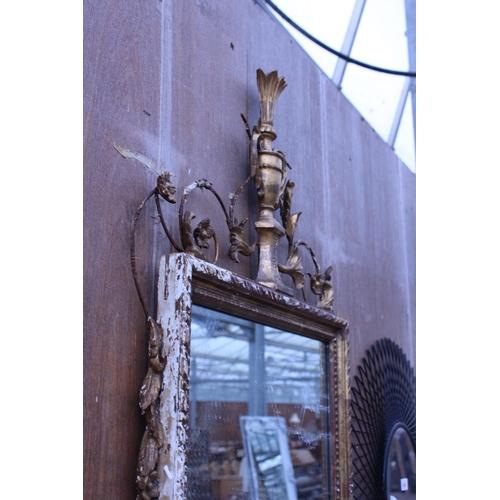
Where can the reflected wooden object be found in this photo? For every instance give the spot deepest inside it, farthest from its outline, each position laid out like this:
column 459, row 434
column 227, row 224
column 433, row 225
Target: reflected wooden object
column 268, row 458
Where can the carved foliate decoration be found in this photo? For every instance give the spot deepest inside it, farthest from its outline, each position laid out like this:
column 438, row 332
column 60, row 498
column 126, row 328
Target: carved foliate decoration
column 153, row 439
column 269, row 171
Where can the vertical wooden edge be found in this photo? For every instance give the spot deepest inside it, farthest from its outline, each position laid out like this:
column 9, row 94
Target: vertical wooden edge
column 333, row 395
column 345, row 417
column 174, row 316
column 325, row 418
column 340, row 450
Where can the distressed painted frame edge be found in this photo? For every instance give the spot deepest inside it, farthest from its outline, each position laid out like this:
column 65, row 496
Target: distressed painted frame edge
column 184, row 280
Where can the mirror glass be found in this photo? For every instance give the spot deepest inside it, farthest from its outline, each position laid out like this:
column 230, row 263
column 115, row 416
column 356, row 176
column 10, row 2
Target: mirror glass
column 243, row 369
column 400, row 466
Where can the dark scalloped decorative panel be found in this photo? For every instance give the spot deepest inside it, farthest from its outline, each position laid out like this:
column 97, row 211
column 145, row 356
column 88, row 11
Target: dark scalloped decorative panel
column 383, row 395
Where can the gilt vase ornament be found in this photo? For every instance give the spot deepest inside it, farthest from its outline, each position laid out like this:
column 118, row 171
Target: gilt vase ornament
column 268, row 167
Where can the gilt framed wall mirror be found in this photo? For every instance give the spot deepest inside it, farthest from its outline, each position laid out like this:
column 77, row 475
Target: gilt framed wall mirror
column 225, row 348
column 247, row 390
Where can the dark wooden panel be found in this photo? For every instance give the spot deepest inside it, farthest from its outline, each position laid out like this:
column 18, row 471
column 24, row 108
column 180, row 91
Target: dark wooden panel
column 122, row 41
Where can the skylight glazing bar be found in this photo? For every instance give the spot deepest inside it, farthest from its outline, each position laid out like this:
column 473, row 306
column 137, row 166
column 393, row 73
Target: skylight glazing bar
column 399, row 113
column 352, row 29
column 410, row 10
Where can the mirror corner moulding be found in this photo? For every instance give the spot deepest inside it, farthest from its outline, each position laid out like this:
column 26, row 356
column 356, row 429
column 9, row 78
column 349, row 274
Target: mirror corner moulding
column 185, row 280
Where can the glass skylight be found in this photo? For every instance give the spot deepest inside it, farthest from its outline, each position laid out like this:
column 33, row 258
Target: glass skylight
column 380, row 41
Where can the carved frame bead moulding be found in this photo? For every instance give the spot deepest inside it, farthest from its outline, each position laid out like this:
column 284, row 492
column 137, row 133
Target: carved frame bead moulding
column 187, row 278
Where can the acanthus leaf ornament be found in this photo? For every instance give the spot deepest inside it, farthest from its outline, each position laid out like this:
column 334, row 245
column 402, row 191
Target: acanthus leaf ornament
column 289, row 221
column 165, row 188
column 270, row 87
column 202, row 233
column 188, row 239
column 238, row 241
column 152, row 440
column 322, row 287
column 293, row 267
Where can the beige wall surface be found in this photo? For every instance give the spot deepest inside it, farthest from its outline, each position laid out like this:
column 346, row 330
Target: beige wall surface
column 166, row 82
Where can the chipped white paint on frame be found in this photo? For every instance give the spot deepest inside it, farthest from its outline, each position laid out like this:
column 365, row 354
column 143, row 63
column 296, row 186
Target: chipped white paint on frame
column 174, row 315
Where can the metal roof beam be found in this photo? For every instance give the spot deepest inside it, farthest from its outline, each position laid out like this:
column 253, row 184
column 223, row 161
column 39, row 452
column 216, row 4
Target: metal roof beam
column 350, row 36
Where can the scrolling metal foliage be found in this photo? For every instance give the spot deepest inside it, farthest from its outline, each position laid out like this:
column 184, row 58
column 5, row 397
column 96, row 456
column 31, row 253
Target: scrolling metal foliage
column 195, row 240
column 382, row 396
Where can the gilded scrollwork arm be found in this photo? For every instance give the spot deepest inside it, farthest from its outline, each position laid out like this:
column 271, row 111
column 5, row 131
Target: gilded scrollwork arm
column 133, row 257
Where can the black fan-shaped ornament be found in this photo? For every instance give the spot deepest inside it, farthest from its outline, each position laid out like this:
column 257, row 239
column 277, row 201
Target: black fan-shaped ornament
column 383, row 396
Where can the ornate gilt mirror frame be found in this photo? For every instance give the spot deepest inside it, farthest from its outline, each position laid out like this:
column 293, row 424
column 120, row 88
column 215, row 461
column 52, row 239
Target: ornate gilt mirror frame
column 185, row 280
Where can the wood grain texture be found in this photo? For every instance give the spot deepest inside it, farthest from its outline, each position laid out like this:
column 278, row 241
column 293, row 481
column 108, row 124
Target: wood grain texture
column 121, row 42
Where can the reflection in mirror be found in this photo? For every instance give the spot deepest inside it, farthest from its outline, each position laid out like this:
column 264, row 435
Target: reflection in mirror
column 267, row 458
column 240, row 368
column 400, row 465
